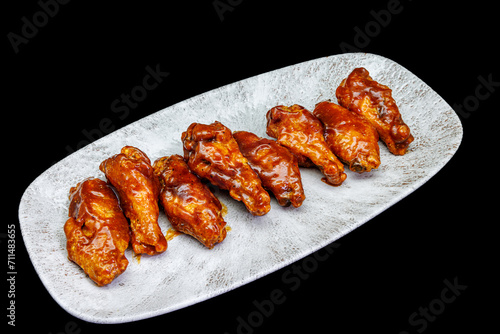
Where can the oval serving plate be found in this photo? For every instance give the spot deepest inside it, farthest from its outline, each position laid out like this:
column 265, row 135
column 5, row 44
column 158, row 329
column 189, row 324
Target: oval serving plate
column 187, row 272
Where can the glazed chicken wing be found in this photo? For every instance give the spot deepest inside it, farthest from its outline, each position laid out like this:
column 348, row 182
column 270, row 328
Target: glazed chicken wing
column 189, row 205
column 97, row 232
column 276, row 166
column 212, row 153
column 350, row 136
column 300, row 131
column 131, row 173
column 364, row 96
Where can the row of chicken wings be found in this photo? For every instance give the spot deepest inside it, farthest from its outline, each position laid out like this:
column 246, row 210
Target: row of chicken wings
column 101, row 224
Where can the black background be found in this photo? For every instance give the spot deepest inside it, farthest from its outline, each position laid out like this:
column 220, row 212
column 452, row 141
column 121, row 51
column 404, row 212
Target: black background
column 64, row 79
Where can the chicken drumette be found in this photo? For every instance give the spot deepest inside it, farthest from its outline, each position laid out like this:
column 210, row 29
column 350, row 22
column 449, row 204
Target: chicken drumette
column 131, row 173
column 300, row 131
column 188, row 203
column 97, row 232
column 276, row 166
column 350, row 136
column 212, row 153
column 365, row 96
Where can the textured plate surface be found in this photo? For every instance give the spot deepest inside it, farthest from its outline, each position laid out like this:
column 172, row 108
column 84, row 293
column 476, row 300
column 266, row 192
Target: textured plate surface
column 187, row 272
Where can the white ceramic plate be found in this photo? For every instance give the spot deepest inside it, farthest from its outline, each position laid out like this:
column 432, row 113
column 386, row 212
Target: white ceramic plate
column 187, row 272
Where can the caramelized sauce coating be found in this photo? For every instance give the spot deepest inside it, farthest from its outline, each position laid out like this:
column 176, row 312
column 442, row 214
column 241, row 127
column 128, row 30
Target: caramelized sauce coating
column 188, row 203
column 97, row 232
column 350, row 136
column 364, row 96
column 276, row 166
column 299, row 130
column 212, row 153
column 131, row 173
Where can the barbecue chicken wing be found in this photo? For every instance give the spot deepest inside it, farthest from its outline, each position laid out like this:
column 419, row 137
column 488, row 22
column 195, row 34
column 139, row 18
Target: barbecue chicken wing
column 276, row 166
column 97, row 232
column 131, row 173
column 364, row 96
column 350, row 136
column 300, row 131
column 212, row 153
column 189, row 205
